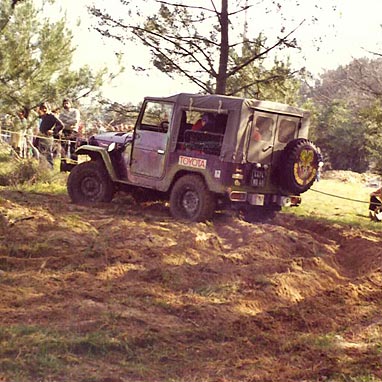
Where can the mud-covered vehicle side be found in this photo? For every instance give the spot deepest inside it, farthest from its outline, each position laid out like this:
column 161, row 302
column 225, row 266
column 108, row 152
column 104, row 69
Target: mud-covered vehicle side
column 203, row 152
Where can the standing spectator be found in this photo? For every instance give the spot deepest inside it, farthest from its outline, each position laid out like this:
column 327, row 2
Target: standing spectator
column 50, row 126
column 70, row 117
column 25, row 123
column 57, row 147
column 32, row 131
column 19, row 128
column 320, row 160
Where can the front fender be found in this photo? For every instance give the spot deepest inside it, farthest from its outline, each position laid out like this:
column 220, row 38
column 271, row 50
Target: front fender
column 99, row 153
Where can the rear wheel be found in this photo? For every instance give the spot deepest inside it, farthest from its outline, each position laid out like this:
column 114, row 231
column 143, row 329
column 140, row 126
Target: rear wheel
column 90, row 182
column 190, row 199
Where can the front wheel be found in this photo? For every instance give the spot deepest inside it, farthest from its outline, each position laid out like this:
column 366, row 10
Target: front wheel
column 90, row 182
column 190, row 199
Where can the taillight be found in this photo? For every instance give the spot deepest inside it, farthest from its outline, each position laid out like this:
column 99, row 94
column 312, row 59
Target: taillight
column 238, row 196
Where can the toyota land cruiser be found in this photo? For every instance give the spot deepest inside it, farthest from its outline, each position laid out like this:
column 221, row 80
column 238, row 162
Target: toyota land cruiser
column 251, row 155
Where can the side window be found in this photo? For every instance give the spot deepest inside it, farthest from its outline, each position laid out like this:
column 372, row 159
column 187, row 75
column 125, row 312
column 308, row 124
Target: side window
column 262, row 129
column 202, row 130
column 208, row 122
column 287, row 129
column 156, row 117
column 198, row 121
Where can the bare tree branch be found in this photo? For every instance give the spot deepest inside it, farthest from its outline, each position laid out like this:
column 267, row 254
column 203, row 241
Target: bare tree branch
column 193, row 79
column 214, row 10
column 263, row 81
column 363, row 85
column 183, row 5
column 281, row 41
column 163, row 35
column 170, row 40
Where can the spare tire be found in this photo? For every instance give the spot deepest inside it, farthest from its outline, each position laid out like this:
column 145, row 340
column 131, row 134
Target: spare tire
column 298, row 165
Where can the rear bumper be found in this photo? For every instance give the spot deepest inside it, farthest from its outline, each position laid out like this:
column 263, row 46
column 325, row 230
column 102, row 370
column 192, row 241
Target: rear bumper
column 255, row 199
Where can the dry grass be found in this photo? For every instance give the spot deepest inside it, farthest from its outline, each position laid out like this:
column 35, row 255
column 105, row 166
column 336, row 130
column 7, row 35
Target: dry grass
column 122, row 293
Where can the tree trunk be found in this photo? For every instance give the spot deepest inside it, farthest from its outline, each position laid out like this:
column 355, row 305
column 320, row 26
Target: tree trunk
column 221, row 80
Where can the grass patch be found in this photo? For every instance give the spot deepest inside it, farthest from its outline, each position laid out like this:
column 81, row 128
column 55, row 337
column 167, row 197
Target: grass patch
column 359, row 378
column 337, row 202
column 29, row 351
column 222, row 291
column 30, row 175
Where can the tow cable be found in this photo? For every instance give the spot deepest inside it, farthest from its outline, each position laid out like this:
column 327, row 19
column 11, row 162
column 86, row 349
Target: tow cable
column 339, row 197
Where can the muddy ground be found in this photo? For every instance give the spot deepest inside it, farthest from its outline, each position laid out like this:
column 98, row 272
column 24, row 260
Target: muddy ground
column 122, row 292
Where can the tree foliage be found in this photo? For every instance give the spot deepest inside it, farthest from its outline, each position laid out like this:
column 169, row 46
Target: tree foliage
column 6, row 11
column 35, row 60
column 202, row 41
column 110, row 114
column 276, row 82
column 348, row 100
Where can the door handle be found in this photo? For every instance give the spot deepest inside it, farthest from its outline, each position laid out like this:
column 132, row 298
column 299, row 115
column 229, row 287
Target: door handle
column 267, row 148
column 161, row 152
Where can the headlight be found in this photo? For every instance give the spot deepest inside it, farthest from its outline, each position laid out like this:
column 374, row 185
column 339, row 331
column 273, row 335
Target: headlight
column 111, row 147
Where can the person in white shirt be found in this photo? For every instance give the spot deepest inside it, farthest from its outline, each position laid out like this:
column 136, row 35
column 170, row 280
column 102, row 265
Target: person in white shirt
column 70, row 117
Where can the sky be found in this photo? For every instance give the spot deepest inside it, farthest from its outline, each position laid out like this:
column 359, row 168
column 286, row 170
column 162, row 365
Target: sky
column 349, row 32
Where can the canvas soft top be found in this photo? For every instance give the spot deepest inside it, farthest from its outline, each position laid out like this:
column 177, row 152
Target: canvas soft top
column 216, row 102
column 239, row 111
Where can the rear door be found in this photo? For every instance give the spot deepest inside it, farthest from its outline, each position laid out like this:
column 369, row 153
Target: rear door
column 287, row 130
column 269, row 135
column 151, row 139
column 262, row 137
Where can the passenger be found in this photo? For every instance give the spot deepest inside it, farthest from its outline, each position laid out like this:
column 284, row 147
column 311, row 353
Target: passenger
column 262, row 129
column 256, row 135
column 207, row 122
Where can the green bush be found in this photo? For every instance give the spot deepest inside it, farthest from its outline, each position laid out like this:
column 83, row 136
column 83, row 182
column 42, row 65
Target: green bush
column 15, row 171
column 26, row 171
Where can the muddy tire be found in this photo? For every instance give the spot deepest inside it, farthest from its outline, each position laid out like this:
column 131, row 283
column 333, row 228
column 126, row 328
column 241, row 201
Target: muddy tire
column 191, row 200
column 298, row 166
column 89, row 182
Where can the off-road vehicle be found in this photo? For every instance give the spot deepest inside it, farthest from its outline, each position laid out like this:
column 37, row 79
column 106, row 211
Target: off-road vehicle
column 251, row 155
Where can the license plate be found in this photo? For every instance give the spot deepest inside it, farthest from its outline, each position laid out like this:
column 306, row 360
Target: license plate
column 256, row 199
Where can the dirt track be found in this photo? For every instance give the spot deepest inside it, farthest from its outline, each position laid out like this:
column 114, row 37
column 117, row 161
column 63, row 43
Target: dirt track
column 162, row 300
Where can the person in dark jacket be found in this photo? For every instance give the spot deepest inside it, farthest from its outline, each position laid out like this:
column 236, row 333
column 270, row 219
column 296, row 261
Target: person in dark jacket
column 50, row 126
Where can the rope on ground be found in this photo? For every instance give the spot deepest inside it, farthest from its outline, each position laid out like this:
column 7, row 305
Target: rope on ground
column 340, row 197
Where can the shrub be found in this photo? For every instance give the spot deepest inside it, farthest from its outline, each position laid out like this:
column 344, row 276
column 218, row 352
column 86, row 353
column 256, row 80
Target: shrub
column 15, row 171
